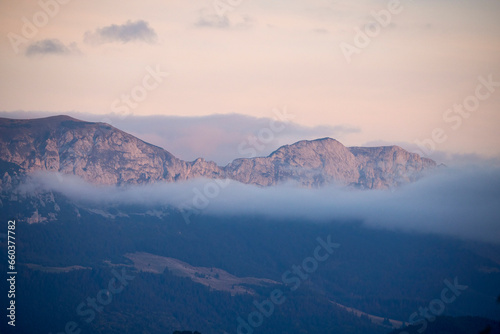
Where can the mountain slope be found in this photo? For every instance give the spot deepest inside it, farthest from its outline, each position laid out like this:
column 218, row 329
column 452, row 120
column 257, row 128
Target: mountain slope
column 388, row 166
column 97, row 152
column 102, row 154
column 312, row 163
column 326, row 161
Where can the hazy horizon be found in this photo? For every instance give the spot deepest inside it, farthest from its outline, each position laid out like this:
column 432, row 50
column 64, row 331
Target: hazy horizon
column 178, row 59
column 439, row 204
column 223, row 135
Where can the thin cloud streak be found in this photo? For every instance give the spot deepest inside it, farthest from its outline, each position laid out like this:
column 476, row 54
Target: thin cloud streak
column 461, row 203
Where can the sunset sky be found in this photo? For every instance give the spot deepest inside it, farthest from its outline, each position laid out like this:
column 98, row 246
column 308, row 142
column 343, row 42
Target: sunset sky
column 255, row 56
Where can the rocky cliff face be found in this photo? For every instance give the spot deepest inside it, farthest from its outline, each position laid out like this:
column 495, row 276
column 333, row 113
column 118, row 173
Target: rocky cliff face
column 97, row 152
column 388, row 166
column 102, row 154
column 327, row 161
column 311, row 163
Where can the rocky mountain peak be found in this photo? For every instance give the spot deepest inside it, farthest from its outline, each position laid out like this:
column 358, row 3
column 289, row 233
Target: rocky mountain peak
column 310, row 163
column 97, row 152
column 324, row 146
column 102, row 154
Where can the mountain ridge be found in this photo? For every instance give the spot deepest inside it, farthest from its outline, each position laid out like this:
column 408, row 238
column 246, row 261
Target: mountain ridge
column 103, row 154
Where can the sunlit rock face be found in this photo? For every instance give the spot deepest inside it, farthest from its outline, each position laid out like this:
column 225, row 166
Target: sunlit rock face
column 327, row 161
column 102, row 154
column 97, row 152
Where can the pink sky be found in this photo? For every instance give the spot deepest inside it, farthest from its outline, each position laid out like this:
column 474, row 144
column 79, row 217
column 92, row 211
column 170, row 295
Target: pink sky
column 260, row 55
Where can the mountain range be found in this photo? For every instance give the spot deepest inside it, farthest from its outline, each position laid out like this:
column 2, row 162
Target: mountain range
column 219, row 271
column 102, row 154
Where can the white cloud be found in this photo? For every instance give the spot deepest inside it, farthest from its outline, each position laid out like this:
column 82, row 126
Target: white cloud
column 461, row 203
